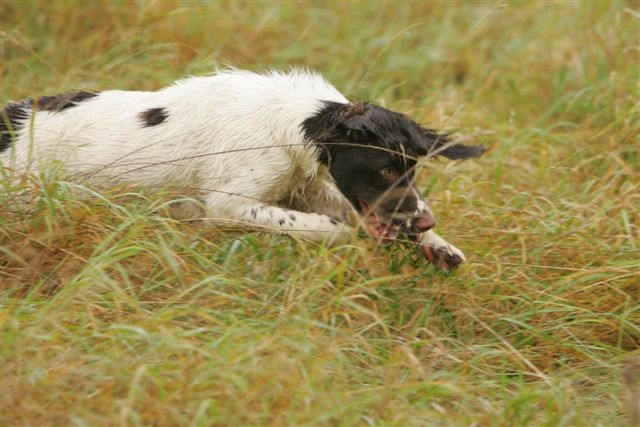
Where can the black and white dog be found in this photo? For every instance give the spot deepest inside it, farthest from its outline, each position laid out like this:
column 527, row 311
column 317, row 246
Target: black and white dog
column 285, row 152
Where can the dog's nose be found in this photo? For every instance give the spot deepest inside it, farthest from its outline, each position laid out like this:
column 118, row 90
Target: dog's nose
column 425, row 223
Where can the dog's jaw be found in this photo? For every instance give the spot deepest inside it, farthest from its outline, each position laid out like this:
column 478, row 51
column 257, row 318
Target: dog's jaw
column 383, row 231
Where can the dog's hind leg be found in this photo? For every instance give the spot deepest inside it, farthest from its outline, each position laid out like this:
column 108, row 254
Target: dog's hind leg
column 310, row 226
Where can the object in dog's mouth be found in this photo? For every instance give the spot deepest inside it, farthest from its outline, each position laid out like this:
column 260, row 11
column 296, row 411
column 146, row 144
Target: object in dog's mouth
column 384, row 232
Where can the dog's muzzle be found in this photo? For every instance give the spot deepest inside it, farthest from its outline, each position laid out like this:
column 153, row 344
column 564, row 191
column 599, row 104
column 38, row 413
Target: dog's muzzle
column 402, row 211
column 420, row 223
column 410, row 212
column 424, row 223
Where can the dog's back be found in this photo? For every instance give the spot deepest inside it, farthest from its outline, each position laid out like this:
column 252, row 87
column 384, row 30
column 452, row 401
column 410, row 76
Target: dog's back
column 168, row 136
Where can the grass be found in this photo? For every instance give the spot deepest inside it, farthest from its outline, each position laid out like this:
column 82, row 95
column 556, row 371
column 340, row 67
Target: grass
column 113, row 314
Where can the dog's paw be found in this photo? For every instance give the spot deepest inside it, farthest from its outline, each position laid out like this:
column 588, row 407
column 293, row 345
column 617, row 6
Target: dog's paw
column 439, row 252
column 446, row 257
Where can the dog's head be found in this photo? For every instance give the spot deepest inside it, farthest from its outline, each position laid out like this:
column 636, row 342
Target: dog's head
column 371, row 153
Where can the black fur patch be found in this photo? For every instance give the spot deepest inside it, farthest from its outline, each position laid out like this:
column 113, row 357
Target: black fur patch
column 154, row 116
column 12, row 118
column 337, row 126
column 459, row 151
column 62, row 101
column 15, row 114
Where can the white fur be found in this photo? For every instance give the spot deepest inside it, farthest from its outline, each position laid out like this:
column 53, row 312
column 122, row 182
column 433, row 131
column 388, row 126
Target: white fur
column 234, row 140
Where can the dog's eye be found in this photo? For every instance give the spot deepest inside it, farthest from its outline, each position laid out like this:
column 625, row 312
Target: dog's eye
column 389, row 173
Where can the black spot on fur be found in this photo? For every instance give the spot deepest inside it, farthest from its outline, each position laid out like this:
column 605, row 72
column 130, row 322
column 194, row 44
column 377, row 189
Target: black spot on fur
column 292, row 216
column 154, row 116
column 333, row 221
column 254, row 213
column 281, row 221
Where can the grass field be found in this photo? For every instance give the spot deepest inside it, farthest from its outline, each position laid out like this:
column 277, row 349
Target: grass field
column 113, row 314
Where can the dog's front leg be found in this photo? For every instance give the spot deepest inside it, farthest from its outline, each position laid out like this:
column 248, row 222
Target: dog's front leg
column 328, row 200
column 440, row 252
column 310, row 226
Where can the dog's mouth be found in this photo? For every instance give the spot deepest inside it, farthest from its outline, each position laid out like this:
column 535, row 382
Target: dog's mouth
column 383, row 231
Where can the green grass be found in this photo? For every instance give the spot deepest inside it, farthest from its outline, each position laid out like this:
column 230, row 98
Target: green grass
column 113, row 314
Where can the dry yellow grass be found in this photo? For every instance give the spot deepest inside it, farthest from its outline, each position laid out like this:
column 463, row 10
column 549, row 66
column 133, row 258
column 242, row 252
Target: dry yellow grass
column 113, row 314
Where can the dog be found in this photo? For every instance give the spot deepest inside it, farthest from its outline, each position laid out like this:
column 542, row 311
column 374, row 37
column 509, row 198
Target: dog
column 281, row 151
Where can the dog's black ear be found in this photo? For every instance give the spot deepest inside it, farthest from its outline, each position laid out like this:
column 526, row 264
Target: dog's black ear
column 334, row 125
column 335, row 121
column 353, row 117
column 436, row 144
